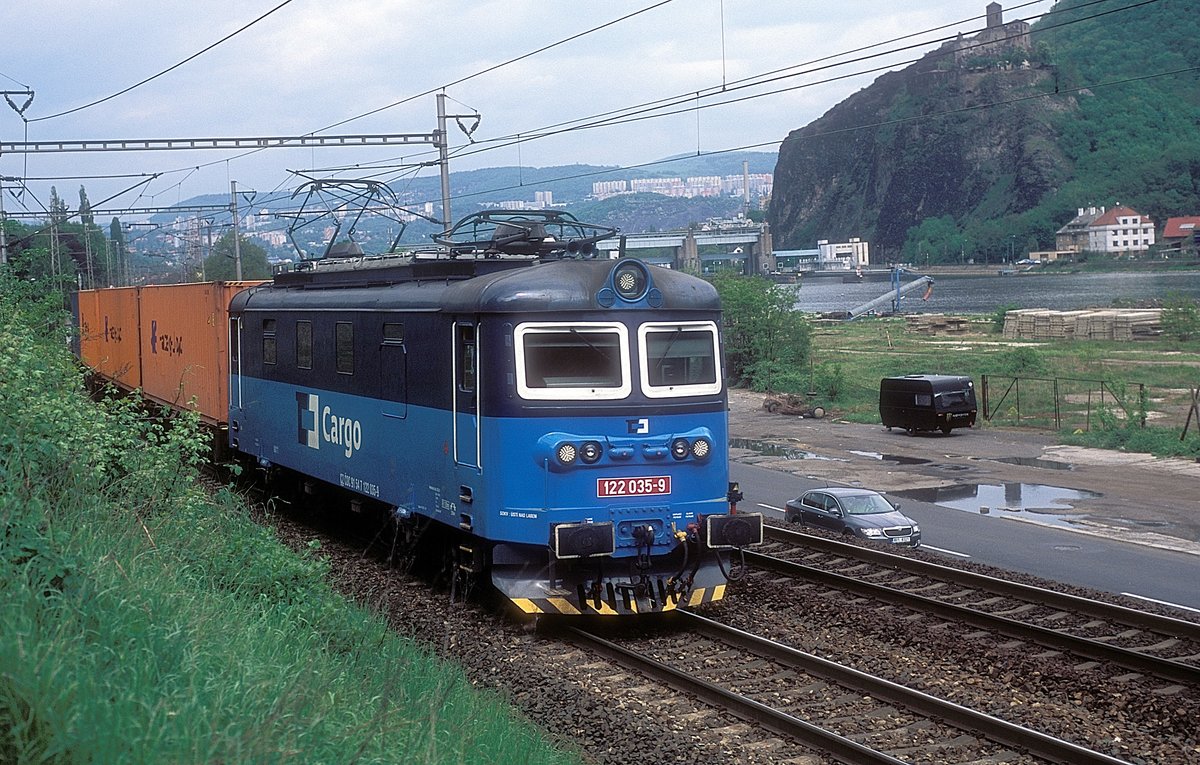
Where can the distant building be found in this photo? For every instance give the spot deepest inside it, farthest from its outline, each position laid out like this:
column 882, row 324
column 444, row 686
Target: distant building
column 1117, row 230
column 843, row 255
column 606, row 189
column 996, row 40
column 273, row 238
column 791, row 261
column 1182, row 236
column 671, row 187
column 759, row 185
column 543, row 198
column 1074, row 235
column 1120, row 230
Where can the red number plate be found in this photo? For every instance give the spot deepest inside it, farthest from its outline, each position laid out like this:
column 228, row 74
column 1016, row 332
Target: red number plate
column 633, row 487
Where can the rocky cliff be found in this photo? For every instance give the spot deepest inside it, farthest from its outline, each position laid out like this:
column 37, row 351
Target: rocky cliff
column 963, row 132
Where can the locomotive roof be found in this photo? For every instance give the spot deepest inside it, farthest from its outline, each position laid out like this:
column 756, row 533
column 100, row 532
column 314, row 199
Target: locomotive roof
column 474, row 286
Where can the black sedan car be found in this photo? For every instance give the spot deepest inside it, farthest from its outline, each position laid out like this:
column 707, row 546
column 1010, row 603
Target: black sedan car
column 862, row 513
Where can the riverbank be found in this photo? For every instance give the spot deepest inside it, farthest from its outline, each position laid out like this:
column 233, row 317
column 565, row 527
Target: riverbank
column 981, row 290
column 1096, row 266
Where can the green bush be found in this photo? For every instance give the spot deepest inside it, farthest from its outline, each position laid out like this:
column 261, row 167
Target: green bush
column 830, row 380
column 1180, row 318
column 999, row 316
column 766, row 339
column 1021, row 361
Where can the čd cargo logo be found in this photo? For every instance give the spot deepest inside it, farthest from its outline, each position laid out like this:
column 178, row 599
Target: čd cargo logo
column 315, row 424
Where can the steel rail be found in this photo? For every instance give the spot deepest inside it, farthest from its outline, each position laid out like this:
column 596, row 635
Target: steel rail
column 1167, row 669
column 841, row 748
column 995, row 729
column 1109, row 611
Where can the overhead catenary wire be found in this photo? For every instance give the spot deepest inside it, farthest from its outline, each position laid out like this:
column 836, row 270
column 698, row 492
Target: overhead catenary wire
column 164, row 71
column 653, row 109
column 627, row 115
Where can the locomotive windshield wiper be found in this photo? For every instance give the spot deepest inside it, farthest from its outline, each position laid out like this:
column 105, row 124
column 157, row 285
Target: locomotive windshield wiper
column 662, row 357
column 603, row 354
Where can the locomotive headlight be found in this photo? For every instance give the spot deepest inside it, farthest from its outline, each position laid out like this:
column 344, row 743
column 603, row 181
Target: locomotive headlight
column 701, row 448
column 680, row 448
column 567, row 453
column 591, row 451
column 630, row 280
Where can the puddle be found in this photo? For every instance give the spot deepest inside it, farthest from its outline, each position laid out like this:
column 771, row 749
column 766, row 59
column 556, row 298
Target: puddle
column 768, row 449
column 1036, row 462
column 899, row 459
column 1050, row 504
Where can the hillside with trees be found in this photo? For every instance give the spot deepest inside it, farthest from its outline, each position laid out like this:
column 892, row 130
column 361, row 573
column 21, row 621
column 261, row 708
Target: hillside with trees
column 972, row 151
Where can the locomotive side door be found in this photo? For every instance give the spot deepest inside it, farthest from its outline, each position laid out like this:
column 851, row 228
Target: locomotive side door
column 235, row 362
column 393, row 370
column 465, row 380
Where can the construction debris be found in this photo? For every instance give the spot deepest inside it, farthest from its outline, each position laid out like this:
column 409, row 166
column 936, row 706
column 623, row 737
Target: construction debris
column 787, row 403
column 937, row 324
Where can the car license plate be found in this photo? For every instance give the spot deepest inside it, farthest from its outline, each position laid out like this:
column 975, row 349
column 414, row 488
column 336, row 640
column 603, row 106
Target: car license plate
column 900, row 540
column 633, row 487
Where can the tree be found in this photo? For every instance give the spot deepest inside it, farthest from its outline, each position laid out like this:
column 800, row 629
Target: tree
column 766, row 339
column 220, row 265
column 85, row 208
column 58, row 208
column 935, row 240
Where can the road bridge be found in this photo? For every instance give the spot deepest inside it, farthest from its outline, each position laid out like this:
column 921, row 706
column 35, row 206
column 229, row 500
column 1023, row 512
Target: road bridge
column 745, row 249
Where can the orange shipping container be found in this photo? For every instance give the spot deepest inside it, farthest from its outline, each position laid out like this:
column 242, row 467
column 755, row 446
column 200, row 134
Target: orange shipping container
column 108, row 334
column 184, row 342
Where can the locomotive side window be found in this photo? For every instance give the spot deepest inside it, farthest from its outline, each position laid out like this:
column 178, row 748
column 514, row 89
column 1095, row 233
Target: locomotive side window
column 343, row 341
column 393, row 334
column 680, row 359
column 466, row 357
column 269, row 346
column 304, row 345
column 588, row 360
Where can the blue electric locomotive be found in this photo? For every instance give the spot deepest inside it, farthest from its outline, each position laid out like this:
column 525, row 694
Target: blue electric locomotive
column 562, row 417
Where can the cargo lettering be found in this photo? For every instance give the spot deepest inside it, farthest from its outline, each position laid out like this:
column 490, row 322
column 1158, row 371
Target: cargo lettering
column 172, row 344
column 341, row 431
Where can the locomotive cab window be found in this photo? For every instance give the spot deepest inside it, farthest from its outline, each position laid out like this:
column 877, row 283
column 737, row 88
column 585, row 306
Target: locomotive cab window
column 587, row 360
column 269, row 345
column 344, row 347
column 679, row 359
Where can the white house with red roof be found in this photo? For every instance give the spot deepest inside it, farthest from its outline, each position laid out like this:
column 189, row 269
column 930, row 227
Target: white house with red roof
column 1117, row 230
column 1182, row 235
column 1121, row 229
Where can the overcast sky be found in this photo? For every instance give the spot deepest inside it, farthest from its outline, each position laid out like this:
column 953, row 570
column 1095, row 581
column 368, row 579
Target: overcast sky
column 312, row 64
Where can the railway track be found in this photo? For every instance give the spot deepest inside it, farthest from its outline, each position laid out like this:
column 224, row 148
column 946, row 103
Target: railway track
column 864, row 719
column 790, row 708
column 1138, row 641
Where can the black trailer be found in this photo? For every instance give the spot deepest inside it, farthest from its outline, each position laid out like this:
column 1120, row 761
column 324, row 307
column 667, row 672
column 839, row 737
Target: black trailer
column 927, row 402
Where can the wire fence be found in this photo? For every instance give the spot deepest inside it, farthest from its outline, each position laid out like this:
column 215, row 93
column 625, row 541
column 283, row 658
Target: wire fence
column 1065, row 402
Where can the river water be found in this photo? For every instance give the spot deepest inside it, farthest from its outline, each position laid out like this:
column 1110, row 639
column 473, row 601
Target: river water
column 984, row 294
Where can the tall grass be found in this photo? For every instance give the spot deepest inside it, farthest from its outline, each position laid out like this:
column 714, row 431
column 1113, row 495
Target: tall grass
column 144, row 622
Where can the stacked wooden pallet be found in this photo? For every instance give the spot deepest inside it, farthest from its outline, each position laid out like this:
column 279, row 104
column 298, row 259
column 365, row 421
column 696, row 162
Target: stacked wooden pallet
column 1138, row 325
column 1106, row 324
column 937, row 324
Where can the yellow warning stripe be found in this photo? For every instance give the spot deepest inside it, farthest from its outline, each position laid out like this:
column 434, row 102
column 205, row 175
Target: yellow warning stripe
column 564, row 606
